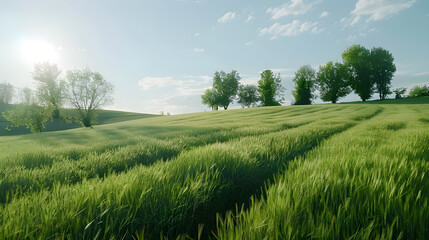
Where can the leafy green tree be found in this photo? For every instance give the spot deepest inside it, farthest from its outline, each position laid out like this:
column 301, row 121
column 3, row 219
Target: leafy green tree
column 248, row 95
column 32, row 116
column 332, row 82
column 226, row 86
column 50, row 90
column 357, row 59
column 87, row 92
column 210, row 98
column 419, row 91
column 382, row 70
column 399, row 92
column 6, row 92
column 304, row 85
column 270, row 88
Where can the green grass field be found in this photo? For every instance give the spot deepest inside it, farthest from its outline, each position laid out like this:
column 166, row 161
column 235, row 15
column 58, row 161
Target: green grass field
column 334, row 171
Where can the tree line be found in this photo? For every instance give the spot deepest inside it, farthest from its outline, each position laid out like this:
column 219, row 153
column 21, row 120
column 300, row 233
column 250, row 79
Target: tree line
column 226, row 88
column 363, row 71
column 82, row 89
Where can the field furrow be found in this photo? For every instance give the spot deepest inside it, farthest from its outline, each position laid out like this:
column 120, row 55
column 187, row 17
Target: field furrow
column 370, row 182
column 167, row 198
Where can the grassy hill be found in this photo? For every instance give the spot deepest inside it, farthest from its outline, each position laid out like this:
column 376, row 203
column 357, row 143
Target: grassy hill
column 334, row 171
column 104, row 117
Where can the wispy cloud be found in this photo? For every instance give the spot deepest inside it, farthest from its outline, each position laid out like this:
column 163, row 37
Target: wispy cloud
column 294, row 7
column 183, row 84
column 375, row 10
column 353, row 37
column 421, row 74
column 227, row 17
column 187, row 91
column 195, row 50
column 249, row 17
column 248, row 43
column 197, row 34
column 198, row 50
column 149, row 82
column 289, row 29
column 324, row 14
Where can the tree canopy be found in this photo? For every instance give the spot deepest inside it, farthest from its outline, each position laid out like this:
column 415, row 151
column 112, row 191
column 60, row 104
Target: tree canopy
column 6, row 92
column 226, row 87
column 247, row 95
column 50, row 90
column 304, row 85
column 270, row 88
column 332, row 82
column 210, row 98
column 399, row 92
column 32, row 116
column 419, row 91
column 87, row 92
column 382, row 70
column 357, row 60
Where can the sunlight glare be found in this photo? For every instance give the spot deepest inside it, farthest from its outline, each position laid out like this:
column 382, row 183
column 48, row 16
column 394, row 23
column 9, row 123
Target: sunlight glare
column 35, row 51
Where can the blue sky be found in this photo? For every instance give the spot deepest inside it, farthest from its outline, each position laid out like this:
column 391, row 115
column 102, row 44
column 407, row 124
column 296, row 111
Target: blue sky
column 162, row 54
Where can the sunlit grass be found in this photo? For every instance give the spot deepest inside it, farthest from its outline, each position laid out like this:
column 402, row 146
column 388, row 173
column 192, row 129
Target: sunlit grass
column 370, row 182
column 338, row 171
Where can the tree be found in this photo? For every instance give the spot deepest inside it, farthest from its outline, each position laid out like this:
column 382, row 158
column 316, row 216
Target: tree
column 30, row 115
column 304, row 85
column 27, row 96
column 357, row 60
column 49, row 88
column 210, row 98
column 87, row 92
column 419, row 91
column 270, row 88
column 399, row 92
column 226, row 87
column 6, row 92
column 247, row 95
column 332, row 82
column 382, row 70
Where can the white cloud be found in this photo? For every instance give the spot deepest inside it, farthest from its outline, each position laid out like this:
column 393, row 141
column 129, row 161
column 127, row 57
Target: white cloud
column 197, row 34
column 352, row 38
column 148, row 82
column 316, row 30
column 183, row 84
column 227, row 17
column 195, row 50
column 248, row 43
column 290, row 29
column 324, row 14
column 294, row 7
column 421, row 74
column 306, row 26
column 198, row 50
column 377, row 9
column 181, row 99
column 202, row 79
column 249, row 18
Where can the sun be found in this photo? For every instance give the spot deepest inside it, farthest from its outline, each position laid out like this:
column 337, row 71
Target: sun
column 35, row 51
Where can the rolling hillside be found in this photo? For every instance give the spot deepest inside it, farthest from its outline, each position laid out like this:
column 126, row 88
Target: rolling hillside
column 104, row 117
column 334, row 171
